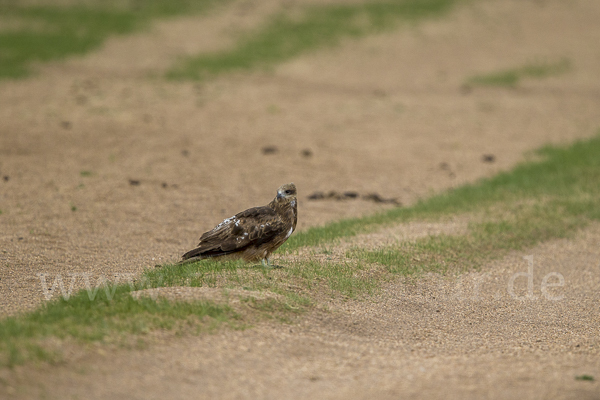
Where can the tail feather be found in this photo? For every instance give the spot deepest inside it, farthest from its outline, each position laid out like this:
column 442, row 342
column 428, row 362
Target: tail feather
column 201, row 253
column 192, row 253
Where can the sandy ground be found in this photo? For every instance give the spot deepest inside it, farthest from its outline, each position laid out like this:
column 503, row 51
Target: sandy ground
column 470, row 337
column 386, row 114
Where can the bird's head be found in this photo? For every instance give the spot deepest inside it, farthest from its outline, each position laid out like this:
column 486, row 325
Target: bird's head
column 286, row 193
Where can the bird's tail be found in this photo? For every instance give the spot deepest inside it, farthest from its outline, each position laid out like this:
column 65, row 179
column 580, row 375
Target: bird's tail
column 196, row 253
column 200, row 253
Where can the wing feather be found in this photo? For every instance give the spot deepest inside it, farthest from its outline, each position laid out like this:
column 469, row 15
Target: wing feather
column 254, row 226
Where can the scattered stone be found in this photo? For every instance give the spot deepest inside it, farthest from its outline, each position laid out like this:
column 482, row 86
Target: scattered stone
column 351, row 195
column 185, row 153
column 306, row 153
column 164, row 185
column 134, row 182
column 269, row 150
column 378, row 199
column 317, row 196
column 66, row 125
column 5, row 178
column 488, row 158
column 374, row 197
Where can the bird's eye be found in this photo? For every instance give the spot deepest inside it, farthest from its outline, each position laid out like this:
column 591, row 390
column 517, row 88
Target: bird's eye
column 288, row 192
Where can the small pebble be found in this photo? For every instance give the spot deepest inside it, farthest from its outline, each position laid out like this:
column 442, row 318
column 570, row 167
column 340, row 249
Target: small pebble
column 488, row 158
column 269, row 150
column 317, row 196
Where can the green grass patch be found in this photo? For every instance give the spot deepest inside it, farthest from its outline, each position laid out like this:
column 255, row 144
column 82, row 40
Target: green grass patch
column 112, row 315
column 343, row 278
column 585, row 378
column 287, row 36
column 43, row 31
column 512, row 77
column 534, row 202
column 338, row 278
column 105, row 315
column 526, row 226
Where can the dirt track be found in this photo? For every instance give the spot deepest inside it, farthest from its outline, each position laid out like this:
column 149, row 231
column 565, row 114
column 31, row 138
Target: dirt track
column 386, row 114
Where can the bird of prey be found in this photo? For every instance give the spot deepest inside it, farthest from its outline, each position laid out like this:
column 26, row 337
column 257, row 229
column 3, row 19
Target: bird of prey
column 253, row 234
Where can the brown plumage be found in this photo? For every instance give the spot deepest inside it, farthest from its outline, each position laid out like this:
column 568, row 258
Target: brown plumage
column 251, row 235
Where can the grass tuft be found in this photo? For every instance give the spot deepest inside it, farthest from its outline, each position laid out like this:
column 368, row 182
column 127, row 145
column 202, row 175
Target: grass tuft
column 485, row 241
column 512, row 77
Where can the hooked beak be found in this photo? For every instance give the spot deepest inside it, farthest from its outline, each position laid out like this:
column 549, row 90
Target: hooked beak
column 279, row 195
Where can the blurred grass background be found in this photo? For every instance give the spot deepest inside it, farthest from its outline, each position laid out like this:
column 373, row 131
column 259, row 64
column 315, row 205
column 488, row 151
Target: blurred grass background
column 38, row 31
column 48, row 30
column 288, row 35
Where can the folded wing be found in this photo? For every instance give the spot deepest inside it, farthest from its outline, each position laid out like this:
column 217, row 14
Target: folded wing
column 253, row 227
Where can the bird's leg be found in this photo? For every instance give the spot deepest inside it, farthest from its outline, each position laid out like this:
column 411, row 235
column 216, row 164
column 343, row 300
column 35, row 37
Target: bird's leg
column 267, row 264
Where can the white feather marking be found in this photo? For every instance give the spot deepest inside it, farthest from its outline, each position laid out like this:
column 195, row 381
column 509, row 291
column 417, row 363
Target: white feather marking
column 290, row 232
column 293, row 203
column 226, row 221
